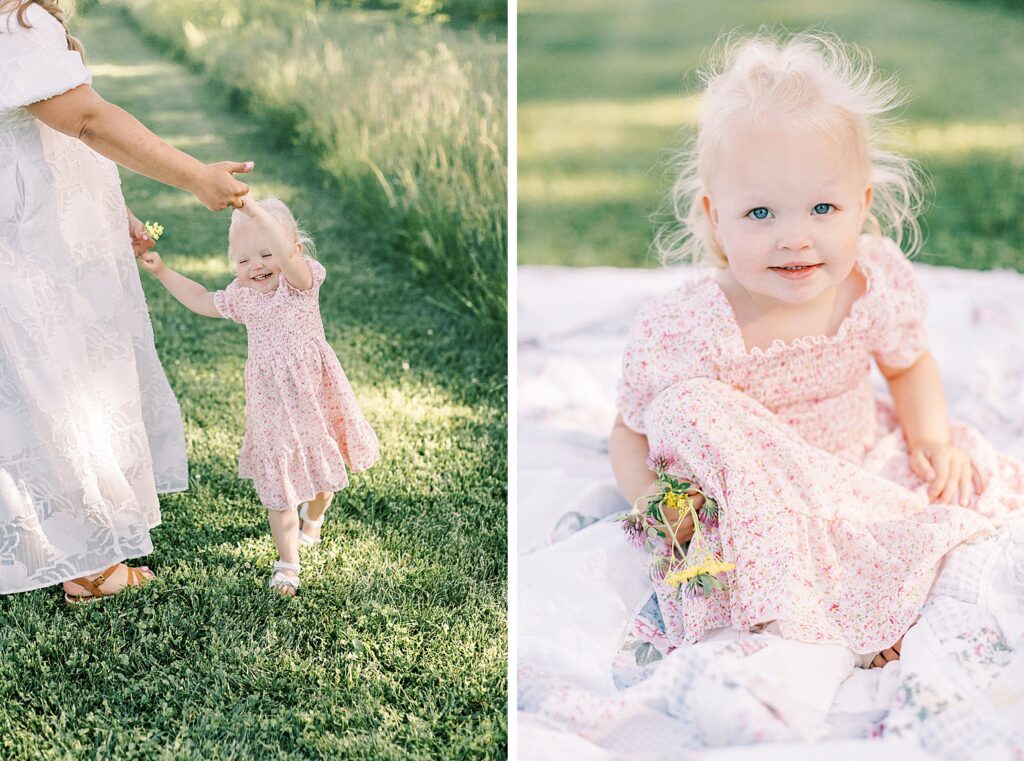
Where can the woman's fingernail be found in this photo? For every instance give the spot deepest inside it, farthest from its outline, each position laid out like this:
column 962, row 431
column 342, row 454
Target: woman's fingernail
column 145, row 237
column 248, row 165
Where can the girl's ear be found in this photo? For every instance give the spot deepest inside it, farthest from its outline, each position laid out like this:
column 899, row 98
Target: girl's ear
column 869, row 194
column 298, row 247
column 710, row 212
column 711, row 215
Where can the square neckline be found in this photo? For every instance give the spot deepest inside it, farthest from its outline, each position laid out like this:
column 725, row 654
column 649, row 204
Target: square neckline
column 857, row 308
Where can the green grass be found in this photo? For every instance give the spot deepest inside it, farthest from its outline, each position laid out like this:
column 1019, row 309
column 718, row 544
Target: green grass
column 458, row 11
column 396, row 647
column 607, row 89
column 410, row 119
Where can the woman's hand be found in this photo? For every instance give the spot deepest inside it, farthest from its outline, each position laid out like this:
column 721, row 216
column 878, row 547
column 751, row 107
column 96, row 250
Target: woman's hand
column 948, row 471
column 151, row 262
column 141, row 242
column 216, row 186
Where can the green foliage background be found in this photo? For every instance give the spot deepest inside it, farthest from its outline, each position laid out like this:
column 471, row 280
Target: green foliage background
column 410, row 119
column 457, row 10
column 607, row 90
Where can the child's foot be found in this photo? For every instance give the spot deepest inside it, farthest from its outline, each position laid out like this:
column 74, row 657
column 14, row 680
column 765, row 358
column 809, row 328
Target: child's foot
column 312, row 516
column 285, row 579
column 309, row 529
column 887, row 655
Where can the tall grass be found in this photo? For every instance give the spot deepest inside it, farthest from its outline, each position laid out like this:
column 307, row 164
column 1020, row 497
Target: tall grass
column 457, row 10
column 410, row 118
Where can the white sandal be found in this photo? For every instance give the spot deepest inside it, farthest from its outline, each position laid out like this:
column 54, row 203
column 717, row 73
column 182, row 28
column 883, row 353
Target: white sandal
column 279, row 581
column 304, row 538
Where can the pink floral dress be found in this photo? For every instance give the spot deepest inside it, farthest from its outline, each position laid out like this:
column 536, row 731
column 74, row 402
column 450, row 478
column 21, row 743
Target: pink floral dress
column 303, row 424
column 832, row 534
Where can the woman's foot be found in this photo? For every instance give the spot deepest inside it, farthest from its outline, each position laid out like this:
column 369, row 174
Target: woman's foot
column 111, row 581
column 887, row 655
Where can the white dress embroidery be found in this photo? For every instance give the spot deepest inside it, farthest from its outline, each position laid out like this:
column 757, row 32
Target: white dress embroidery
column 90, row 430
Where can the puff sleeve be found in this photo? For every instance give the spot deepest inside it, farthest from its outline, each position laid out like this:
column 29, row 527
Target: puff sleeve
column 900, row 334
column 319, row 273
column 36, row 62
column 231, row 302
column 636, row 388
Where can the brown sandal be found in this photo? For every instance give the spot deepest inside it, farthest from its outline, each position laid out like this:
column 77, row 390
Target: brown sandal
column 135, row 579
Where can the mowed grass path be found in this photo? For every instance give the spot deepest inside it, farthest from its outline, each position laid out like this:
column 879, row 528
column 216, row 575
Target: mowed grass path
column 396, row 647
column 607, row 89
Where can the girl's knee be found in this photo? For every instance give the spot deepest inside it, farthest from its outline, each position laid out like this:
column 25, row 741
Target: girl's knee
column 698, row 397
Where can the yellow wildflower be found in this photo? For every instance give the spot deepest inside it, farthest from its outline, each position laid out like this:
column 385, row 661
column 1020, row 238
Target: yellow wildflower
column 678, row 502
column 155, row 230
column 711, row 567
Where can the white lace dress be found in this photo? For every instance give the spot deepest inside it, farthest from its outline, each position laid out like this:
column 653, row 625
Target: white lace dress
column 90, row 431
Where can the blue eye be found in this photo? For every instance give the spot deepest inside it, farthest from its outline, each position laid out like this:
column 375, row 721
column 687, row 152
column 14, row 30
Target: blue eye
column 823, row 208
column 759, row 213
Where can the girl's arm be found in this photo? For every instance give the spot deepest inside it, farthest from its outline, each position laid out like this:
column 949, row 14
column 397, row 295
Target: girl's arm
column 921, row 411
column 628, row 451
column 286, row 252
column 188, row 292
column 116, row 134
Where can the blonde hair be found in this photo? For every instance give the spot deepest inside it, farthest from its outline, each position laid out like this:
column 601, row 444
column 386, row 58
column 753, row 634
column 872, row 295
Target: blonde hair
column 20, row 7
column 808, row 80
column 284, row 217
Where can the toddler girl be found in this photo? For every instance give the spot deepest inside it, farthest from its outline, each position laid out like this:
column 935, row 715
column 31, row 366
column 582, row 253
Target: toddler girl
column 836, row 507
column 302, row 420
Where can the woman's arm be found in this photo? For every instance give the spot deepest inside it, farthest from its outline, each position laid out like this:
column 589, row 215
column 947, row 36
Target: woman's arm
column 188, row 292
column 286, row 252
column 113, row 132
column 921, row 412
column 628, row 451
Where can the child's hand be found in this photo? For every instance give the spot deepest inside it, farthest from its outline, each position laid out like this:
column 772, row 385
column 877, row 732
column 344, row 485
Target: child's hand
column 141, row 242
column 275, row 235
column 150, row 261
column 683, row 528
column 948, row 470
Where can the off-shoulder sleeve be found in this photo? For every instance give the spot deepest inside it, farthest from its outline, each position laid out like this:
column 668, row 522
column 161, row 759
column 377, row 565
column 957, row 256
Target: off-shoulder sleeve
column 36, row 62
column 231, row 302
column 316, row 269
column 899, row 305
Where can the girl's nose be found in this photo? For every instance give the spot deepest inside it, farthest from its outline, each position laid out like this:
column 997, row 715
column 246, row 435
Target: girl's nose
column 794, row 239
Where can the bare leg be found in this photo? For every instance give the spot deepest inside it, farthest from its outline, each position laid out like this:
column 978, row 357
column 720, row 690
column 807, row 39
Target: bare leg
column 284, row 526
column 315, row 511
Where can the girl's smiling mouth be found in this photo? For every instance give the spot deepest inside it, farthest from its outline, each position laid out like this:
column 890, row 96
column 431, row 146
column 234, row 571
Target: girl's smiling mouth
column 797, row 271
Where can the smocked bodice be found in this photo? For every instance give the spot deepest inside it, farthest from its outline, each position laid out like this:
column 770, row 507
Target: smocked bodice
column 820, row 385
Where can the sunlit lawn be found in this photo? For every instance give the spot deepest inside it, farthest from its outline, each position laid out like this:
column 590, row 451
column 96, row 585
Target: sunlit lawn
column 607, row 89
column 395, row 647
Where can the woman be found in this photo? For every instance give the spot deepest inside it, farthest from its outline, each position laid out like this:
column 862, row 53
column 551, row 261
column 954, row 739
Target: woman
column 90, row 431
